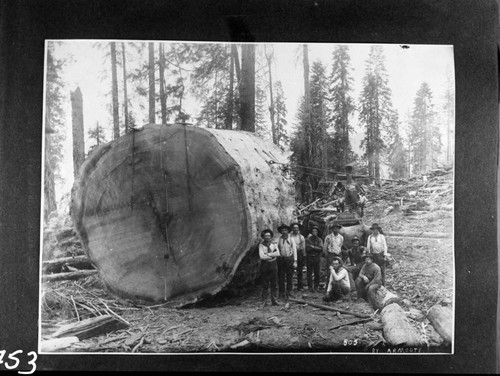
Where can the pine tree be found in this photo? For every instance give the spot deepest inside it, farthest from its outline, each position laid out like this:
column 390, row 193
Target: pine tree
column 151, row 75
column 96, row 134
column 425, row 139
column 340, row 107
column 397, row 152
column 247, row 88
column 318, row 115
column 280, row 113
column 114, row 85
column 375, row 109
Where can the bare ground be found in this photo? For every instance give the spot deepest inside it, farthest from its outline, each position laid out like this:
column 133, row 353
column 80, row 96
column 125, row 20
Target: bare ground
column 422, row 275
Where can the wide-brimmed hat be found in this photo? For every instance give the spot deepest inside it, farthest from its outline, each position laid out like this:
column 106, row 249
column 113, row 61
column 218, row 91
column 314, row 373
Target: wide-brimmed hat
column 336, row 224
column 282, row 227
column 367, row 254
column 314, row 227
column 375, row 225
column 266, row 231
column 294, row 223
column 354, row 238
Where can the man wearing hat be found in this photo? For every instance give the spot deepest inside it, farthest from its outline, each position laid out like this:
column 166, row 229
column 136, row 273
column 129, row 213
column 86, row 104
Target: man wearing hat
column 377, row 245
column 355, row 258
column 287, row 261
column 369, row 279
column 314, row 247
column 333, row 246
column 339, row 194
column 268, row 252
column 300, row 243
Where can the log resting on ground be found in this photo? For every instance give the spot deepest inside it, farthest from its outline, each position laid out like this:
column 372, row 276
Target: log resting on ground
column 384, row 297
column 173, row 213
column 441, row 319
column 398, row 330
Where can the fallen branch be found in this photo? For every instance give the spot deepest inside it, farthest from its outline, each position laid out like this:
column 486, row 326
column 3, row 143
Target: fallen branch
column 91, row 327
column 352, row 322
column 67, row 276
column 328, row 308
column 80, row 262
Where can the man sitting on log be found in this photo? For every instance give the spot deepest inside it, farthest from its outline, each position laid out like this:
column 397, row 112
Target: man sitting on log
column 287, row 261
column 369, row 279
column 333, row 246
column 300, row 242
column 268, row 252
column 314, row 247
column 338, row 285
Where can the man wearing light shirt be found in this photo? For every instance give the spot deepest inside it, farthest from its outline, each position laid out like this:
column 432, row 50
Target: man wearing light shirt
column 333, row 246
column 338, row 285
column 377, row 246
column 268, row 252
column 287, row 261
column 300, row 243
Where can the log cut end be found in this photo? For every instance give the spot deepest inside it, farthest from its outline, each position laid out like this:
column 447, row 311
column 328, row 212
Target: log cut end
column 167, row 214
column 441, row 319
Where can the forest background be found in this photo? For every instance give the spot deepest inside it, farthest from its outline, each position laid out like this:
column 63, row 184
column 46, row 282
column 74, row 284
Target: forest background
column 389, row 109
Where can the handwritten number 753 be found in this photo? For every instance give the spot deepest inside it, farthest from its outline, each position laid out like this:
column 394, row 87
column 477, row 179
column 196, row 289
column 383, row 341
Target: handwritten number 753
column 14, row 358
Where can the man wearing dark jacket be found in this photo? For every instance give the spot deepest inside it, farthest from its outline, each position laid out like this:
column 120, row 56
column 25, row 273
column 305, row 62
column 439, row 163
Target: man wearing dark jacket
column 314, row 247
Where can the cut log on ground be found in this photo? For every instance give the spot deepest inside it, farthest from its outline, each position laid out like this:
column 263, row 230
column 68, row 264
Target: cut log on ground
column 384, row 297
column 68, row 276
column 431, row 235
column 91, row 327
column 441, row 319
column 80, row 262
column 398, row 330
column 169, row 214
column 328, row 308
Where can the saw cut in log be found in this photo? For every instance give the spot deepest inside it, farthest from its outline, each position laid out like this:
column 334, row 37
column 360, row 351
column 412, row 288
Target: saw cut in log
column 67, row 276
column 168, row 214
column 384, row 297
column 91, row 327
column 441, row 319
column 398, row 330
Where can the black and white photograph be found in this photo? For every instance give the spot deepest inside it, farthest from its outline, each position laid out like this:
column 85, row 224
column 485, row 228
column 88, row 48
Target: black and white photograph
column 230, row 197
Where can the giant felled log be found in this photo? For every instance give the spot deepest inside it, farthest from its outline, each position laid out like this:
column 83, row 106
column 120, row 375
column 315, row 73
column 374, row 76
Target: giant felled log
column 383, row 297
column 441, row 319
column 168, row 214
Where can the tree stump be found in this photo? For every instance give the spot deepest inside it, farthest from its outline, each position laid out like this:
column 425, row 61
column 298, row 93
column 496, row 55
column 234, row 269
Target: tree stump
column 169, row 213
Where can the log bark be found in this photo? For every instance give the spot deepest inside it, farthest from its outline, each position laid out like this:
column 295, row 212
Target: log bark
column 67, row 276
column 328, row 308
column 398, row 330
column 91, row 327
column 441, row 319
column 179, row 219
column 80, row 262
column 384, row 297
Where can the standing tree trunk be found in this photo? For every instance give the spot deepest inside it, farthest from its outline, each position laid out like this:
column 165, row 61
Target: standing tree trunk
column 307, row 123
column 78, row 133
column 49, row 192
column 247, row 88
column 114, row 92
column 125, row 97
column 230, row 94
column 271, row 106
column 151, row 82
column 163, row 97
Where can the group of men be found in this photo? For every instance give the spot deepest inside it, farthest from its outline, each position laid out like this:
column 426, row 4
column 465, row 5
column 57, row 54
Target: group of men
column 359, row 266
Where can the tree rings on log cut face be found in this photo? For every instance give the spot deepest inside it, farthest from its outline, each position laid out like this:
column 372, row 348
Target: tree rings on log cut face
column 167, row 214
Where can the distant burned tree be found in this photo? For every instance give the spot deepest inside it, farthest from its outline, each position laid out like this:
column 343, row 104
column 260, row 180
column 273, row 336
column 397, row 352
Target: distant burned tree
column 114, row 91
